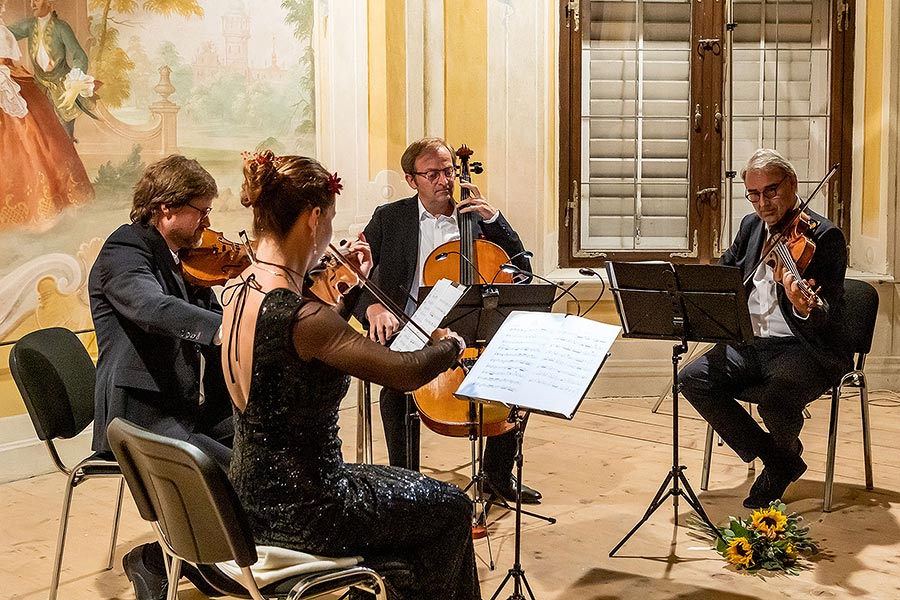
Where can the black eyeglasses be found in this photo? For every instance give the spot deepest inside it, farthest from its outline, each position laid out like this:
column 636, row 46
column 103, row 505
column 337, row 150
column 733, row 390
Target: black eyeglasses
column 203, row 211
column 769, row 192
column 432, row 175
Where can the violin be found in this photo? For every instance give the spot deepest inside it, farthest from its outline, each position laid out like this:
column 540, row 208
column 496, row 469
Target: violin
column 349, row 262
column 214, row 261
column 790, row 248
column 793, row 252
column 331, row 277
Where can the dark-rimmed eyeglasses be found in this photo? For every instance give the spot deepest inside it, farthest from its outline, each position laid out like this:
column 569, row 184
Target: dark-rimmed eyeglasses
column 768, row 192
column 203, row 211
column 432, row 175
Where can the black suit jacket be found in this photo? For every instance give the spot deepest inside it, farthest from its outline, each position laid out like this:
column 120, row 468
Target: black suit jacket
column 822, row 331
column 151, row 329
column 393, row 234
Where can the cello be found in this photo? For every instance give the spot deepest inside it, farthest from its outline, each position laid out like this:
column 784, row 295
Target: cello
column 462, row 260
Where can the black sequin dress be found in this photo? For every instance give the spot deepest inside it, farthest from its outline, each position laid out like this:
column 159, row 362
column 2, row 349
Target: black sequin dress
column 299, row 493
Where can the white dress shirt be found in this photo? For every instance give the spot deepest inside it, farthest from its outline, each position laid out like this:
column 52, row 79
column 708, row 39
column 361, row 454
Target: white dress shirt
column 765, row 313
column 433, row 231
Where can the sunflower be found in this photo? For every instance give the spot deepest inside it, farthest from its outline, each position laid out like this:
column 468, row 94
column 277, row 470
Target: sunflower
column 739, row 552
column 790, row 552
column 768, row 521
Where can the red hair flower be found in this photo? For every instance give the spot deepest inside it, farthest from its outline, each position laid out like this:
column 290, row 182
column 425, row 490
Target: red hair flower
column 334, row 183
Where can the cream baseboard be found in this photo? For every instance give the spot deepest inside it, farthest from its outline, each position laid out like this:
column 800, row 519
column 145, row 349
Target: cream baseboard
column 23, row 455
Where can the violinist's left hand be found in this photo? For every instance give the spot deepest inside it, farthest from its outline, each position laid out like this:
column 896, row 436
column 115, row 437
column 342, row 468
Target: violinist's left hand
column 476, row 202
column 802, row 304
column 360, row 248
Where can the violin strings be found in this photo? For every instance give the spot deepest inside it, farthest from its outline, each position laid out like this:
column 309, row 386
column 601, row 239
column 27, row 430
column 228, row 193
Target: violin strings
column 788, row 261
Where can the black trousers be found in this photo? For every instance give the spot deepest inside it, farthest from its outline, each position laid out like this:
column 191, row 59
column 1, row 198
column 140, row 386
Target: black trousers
column 717, row 382
column 499, row 450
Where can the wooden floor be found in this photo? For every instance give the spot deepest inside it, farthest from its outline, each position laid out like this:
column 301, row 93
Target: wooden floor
column 598, row 473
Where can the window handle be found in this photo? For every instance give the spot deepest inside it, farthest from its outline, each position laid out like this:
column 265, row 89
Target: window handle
column 697, row 116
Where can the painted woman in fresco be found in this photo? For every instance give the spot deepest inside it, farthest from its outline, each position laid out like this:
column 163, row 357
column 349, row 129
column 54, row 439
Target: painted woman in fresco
column 40, row 171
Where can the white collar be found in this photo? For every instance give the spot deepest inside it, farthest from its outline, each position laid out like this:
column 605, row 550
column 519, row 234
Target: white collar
column 424, row 214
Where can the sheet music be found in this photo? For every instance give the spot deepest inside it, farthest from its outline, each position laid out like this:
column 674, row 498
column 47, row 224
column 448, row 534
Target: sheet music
column 443, row 297
column 540, row 361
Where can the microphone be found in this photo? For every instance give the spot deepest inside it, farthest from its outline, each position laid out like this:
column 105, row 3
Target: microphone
column 587, row 271
column 524, row 274
column 526, row 253
column 514, row 270
column 444, row 255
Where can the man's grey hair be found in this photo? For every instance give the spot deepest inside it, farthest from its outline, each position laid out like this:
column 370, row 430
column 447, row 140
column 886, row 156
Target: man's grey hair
column 766, row 159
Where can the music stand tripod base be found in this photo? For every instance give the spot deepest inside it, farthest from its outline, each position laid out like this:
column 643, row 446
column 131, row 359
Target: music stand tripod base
column 681, row 487
column 516, row 573
column 701, row 303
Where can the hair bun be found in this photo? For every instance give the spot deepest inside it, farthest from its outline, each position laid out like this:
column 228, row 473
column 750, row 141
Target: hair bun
column 259, row 171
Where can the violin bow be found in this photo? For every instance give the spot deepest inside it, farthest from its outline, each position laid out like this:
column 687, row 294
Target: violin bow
column 383, row 298
column 776, row 239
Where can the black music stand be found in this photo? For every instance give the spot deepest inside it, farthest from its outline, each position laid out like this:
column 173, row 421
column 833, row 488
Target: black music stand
column 480, row 312
column 542, row 363
column 698, row 303
column 476, row 317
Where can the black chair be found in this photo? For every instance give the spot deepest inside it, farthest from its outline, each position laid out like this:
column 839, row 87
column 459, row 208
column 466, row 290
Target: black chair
column 198, row 518
column 859, row 328
column 55, row 376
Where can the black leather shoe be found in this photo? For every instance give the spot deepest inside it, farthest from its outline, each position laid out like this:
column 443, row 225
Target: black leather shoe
column 148, row 585
column 774, row 480
column 759, row 492
column 191, row 573
column 508, row 492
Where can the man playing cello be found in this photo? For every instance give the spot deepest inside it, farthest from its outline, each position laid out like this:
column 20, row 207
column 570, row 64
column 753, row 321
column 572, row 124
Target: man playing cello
column 402, row 234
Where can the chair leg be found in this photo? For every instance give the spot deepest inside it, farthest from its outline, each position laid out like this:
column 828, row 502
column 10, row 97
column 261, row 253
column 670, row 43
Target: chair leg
column 707, row 459
column 61, row 538
column 364, row 422
column 174, row 574
column 115, row 527
column 832, row 447
column 249, row 584
column 866, row 430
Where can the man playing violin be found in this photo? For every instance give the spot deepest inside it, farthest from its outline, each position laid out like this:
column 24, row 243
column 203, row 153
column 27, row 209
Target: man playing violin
column 402, row 234
column 154, row 330
column 796, row 354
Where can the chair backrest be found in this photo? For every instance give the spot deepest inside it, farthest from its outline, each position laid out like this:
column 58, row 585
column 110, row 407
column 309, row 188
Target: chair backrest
column 860, row 313
column 56, row 377
column 186, row 492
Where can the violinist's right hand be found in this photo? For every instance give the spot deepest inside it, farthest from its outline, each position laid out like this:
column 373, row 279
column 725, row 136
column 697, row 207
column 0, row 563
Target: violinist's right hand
column 360, row 248
column 443, row 334
column 382, row 323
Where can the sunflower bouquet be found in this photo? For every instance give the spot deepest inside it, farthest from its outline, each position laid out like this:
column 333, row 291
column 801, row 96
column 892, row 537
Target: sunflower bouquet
column 770, row 539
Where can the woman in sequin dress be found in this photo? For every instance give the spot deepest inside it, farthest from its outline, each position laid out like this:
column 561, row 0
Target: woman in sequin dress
column 288, row 364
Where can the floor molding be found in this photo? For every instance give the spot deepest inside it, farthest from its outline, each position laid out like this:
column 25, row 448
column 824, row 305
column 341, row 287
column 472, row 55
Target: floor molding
column 23, row 455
